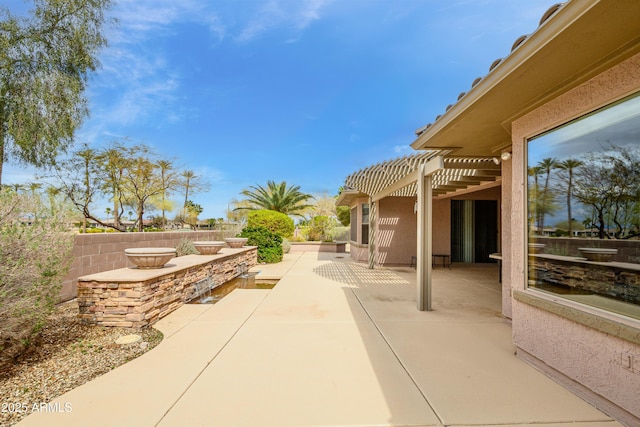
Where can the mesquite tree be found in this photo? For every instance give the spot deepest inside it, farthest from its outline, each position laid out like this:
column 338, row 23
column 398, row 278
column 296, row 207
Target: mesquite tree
column 45, row 60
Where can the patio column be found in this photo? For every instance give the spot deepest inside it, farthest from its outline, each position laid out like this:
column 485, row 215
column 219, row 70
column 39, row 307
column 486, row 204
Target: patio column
column 424, row 232
column 373, row 219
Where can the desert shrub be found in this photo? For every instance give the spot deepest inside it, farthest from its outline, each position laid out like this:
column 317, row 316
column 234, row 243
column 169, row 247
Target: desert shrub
column 269, row 244
column 286, row 246
column 276, row 222
column 185, row 247
column 341, row 234
column 320, row 229
column 34, row 258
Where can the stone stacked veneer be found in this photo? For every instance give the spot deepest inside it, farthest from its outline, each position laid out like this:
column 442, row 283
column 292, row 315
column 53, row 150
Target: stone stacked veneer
column 133, row 297
column 614, row 279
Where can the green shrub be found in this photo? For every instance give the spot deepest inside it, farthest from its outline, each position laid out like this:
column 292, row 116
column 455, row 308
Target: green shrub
column 269, row 244
column 298, row 238
column 276, row 222
column 35, row 258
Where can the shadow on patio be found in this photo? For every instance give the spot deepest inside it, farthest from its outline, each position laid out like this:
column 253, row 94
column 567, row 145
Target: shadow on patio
column 460, row 355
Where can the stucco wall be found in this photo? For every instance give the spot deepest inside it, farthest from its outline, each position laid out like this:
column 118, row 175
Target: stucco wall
column 441, row 226
column 94, row 253
column 506, row 241
column 583, row 354
column 396, row 231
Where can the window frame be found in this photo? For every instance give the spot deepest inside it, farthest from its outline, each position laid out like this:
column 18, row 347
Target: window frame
column 613, row 323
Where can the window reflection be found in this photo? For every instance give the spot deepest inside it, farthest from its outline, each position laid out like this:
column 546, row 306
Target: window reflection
column 584, row 209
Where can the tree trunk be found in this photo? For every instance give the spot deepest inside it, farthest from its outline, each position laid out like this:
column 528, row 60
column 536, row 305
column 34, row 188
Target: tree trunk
column 140, row 214
column 570, row 223
column 1, row 147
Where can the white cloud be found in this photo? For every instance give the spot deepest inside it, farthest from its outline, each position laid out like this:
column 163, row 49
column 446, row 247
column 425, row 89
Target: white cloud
column 282, row 14
column 403, row 149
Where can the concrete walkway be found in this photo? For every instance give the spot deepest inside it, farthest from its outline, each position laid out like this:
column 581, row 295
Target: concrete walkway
column 334, row 343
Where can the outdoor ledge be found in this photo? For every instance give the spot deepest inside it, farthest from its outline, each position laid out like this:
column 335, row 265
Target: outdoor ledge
column 338, row 247
column 578, row 260
column 587, row 316
column 133, row 274
column 358, row 245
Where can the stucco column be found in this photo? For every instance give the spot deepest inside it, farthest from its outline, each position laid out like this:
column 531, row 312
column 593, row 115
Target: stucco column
column 373, row 220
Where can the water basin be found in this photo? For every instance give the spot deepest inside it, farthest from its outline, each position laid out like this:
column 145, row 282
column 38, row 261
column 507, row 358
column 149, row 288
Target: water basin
column 216, row 294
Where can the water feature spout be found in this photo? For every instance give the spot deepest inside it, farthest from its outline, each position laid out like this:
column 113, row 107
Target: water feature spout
column 202, row 287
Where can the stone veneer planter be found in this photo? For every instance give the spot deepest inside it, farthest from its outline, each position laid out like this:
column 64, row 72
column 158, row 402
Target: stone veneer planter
column 612, row 279
column 134, row 298
column 208, row 247
column 150, row 257
column 598, row 254
column 536, row 248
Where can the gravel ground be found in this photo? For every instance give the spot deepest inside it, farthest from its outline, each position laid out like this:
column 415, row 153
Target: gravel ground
column 69, row 354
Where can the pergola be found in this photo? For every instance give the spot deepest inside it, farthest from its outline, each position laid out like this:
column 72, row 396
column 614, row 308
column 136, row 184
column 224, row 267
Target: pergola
column 424, row 175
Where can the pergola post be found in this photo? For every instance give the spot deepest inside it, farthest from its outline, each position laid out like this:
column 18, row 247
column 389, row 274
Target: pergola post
column 373, row 219
column 424, row 231
column 424, row 250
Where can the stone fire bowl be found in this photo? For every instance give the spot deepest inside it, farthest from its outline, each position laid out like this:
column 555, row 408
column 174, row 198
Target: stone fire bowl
column 150, row 257
column 598, row 254
column 236, row 242
column 208, row 247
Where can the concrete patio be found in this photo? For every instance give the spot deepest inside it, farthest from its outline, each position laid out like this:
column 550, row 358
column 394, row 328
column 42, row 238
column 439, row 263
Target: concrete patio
column 334, row 343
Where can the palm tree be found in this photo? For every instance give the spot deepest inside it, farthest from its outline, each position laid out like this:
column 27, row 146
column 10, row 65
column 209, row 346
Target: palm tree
column 169, row 181
column 547, row 206
column 187, row 176
column 535, row 207
column 569, row 166
column 277, row 197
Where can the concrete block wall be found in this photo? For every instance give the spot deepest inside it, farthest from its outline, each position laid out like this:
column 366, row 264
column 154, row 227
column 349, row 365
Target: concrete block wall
column 94, row 253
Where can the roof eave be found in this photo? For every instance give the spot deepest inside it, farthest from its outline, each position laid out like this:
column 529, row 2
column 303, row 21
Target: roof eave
column 509, row 69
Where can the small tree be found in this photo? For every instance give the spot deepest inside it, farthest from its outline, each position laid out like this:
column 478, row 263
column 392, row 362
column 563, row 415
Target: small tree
column 191, row 212
column 320, row 228
column 45, row 60
column 141, row 180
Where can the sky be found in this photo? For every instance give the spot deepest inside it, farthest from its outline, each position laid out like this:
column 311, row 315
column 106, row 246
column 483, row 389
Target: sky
column 302, row 91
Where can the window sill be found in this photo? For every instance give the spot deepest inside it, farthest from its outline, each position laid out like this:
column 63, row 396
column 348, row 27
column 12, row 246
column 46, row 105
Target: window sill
column 609, row 323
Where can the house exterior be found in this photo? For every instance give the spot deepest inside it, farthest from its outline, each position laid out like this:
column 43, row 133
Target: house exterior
column 569, row 92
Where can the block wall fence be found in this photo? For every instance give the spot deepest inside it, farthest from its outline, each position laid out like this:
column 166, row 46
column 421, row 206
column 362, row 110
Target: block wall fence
column 95, row 253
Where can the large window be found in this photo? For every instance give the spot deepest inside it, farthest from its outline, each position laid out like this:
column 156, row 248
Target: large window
column 365, row 223
column 354, row 224
column 584, row 209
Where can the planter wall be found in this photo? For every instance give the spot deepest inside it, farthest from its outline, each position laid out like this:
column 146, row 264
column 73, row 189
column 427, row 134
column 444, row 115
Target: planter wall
column 133, row 298
column 93, row 253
